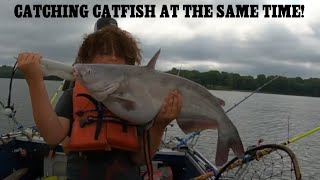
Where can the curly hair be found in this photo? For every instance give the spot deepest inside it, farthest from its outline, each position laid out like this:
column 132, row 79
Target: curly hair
column 110, row 41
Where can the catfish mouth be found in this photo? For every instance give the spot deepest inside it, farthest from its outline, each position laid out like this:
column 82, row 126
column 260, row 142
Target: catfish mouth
column 88, row 78
column 82, row 74
column 82, row 70
column 77, row 75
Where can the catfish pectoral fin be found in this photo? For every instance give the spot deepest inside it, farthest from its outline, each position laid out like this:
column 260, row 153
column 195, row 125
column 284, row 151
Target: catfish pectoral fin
column 125, row 103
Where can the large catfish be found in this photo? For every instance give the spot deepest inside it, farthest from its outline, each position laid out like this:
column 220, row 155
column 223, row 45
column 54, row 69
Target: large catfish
column 136, row 93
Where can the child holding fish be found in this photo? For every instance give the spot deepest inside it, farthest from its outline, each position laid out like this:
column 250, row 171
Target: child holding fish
column 102, row 145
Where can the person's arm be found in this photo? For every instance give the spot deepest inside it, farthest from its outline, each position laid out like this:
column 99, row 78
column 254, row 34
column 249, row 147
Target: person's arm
column 52, row 128
column 169, row 111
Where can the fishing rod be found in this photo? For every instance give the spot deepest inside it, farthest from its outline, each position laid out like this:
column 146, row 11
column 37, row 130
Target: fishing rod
column 258, row 89
column 253, row 93
column 184, row 141
column 21, row 130
column 9, row 111
column 267, row 151
column 53, row 98
column 239, row 162
column 301, row 136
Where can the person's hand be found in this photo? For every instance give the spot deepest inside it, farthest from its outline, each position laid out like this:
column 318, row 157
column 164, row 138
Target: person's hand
column 170, row 109
column 29, row 65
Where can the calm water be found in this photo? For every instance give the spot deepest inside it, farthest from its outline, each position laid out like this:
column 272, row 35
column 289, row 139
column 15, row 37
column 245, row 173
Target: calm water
column 261, row 116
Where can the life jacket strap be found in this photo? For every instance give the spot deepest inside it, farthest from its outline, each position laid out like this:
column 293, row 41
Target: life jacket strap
column 100, row 108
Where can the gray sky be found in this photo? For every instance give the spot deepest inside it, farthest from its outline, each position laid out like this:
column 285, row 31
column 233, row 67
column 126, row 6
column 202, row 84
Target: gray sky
column 248, row 46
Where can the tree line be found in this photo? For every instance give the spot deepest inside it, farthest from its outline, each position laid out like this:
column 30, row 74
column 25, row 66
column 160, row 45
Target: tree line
column 231, row 81
column 216, row 80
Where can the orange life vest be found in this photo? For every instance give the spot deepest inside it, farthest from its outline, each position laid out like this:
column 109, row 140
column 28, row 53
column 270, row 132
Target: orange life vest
column 96, row 128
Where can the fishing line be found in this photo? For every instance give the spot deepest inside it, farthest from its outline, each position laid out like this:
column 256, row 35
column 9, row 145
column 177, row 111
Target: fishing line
column 14, row 69
column 252, row 93
column 288, row 127
column 3, row 106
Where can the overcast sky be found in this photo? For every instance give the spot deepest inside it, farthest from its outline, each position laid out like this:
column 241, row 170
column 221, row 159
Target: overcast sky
column 248, row 46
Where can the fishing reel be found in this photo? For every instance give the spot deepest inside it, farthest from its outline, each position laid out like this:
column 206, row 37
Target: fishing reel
column 8, row 111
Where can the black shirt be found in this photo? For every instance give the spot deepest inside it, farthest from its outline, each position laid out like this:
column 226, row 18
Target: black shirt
column 64, row 107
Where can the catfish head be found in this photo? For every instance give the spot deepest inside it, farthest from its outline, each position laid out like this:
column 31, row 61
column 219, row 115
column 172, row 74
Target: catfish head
column 100, row 80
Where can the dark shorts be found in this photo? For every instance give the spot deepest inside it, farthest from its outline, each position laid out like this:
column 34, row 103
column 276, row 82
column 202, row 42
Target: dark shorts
column 101, row 166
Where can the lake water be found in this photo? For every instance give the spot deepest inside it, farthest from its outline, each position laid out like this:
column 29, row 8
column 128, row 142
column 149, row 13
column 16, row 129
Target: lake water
column 266, row 116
